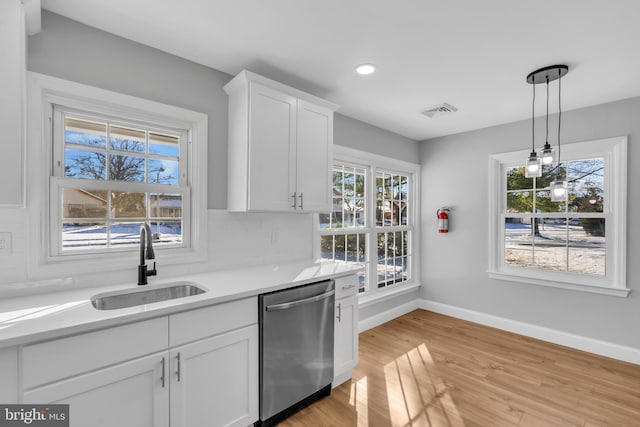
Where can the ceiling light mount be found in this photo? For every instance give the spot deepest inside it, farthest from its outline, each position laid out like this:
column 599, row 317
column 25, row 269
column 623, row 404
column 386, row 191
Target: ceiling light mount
column 552, row 72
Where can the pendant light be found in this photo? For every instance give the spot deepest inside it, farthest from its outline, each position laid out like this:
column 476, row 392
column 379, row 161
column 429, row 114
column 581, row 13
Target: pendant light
column 547, row 151
column 534, row 163
column 559, row 187
column 533, row 167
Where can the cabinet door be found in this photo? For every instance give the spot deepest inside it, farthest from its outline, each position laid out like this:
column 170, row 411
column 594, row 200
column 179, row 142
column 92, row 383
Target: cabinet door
column 9, row 374
column 272, row 132
column 128, row 394
column 214, row 382
column 314, row 157
column 12, row 75
column 346, row 338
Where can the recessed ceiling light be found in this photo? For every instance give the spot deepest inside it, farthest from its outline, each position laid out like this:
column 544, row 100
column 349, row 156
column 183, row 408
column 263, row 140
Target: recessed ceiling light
column 365, row 69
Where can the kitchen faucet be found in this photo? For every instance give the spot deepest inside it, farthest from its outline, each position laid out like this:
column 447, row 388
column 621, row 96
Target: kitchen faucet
column 146, row 238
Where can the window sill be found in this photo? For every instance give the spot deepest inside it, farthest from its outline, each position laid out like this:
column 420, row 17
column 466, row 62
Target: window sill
column 376, row 297
column 602, row 290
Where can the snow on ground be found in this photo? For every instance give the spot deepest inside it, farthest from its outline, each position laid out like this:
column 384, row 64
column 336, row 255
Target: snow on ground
column 557, row 248
column 92, row 236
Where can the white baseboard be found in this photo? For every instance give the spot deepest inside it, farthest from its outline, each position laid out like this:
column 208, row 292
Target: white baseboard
column 603, row 348
column 385, row 316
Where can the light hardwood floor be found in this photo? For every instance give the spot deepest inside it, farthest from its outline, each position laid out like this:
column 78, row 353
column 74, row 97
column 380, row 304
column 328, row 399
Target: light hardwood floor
column 426, row 369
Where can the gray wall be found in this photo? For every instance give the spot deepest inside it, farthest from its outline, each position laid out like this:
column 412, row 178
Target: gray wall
column 455, row 173
column 76, row 52
column 362, row 136
column 73, row 51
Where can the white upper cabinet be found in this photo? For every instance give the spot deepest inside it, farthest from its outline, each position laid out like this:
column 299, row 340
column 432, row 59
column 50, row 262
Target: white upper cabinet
column 314, row 156
column 12, row 75
column 280, row 147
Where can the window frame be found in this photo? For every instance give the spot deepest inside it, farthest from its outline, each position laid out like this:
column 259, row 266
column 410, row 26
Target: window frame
column 45, row 92
column 374, row 163
column 614, row 153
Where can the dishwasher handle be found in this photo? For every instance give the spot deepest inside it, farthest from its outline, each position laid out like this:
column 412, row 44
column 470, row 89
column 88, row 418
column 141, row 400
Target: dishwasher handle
column 292, row 304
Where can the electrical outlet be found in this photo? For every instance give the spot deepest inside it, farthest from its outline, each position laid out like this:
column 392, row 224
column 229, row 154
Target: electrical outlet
column 5, row 244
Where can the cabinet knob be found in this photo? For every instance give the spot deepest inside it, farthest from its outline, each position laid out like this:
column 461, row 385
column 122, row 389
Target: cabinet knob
column 301, row 202
column 295, row 201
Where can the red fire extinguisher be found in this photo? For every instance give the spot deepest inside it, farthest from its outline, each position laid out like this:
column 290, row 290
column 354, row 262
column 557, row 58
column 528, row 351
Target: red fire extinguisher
column 443, row 220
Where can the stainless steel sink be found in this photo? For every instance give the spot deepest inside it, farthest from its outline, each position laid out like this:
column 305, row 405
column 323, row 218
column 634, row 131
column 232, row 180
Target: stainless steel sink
column 141, row 296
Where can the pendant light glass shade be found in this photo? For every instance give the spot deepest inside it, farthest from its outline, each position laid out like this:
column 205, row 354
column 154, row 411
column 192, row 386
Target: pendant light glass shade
column 558, row 190
column 533, row 169
column 547, row 154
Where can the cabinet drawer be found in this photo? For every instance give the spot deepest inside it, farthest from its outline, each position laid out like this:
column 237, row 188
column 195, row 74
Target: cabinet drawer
column 346, row 286
column 208, row 321
column 53, row 360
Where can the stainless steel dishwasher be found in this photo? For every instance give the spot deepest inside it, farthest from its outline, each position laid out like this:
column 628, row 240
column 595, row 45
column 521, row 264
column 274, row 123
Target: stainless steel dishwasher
column 296, row 349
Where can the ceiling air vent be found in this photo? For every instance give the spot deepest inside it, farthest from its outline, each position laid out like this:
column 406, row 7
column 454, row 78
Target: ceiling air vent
column 440, row 109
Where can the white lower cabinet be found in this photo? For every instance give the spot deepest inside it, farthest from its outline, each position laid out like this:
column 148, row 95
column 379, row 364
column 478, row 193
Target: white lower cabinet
column 128, row 394
column 345, row 329
column 206, row 373
column 215, row 381
column 9, row 374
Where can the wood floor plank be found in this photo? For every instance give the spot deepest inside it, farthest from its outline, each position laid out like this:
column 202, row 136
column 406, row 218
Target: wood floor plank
column 427, row 369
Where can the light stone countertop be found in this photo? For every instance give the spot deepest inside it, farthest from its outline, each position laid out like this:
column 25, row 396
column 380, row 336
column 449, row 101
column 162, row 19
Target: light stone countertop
column 44, row 316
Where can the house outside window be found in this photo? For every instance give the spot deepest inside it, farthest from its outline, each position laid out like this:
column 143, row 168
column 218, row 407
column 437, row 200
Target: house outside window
column 577, row 243
column 373, row 219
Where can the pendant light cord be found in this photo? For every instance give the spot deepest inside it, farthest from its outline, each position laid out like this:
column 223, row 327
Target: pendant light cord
column 559, row 116
column 546, row 138
column 533, row 119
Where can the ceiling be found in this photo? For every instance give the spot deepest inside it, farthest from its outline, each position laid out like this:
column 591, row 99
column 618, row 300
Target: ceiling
column 474, row 55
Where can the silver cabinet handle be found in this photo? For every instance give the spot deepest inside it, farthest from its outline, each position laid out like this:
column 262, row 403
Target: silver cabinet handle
column 178, row 371
column 162, row 377
column 351, row 286
column 301, row 202
column 339, row 316
column 287, row 305
column 295, row 200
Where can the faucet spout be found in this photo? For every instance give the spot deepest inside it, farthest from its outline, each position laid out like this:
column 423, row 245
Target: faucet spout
column 146, row 252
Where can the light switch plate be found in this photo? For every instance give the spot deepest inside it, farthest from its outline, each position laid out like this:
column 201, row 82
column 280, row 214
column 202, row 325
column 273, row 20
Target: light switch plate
column 5, row 243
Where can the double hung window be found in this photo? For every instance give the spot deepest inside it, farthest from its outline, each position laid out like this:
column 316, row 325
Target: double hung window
column 344, row 231
column 103, row 164
column 372, row 218
column 392, row 230
column 110, row 176
column 576, row 243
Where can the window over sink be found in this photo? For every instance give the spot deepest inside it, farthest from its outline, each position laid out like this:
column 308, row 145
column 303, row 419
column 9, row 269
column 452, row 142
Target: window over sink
column 103, row 163
column 111, row 176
